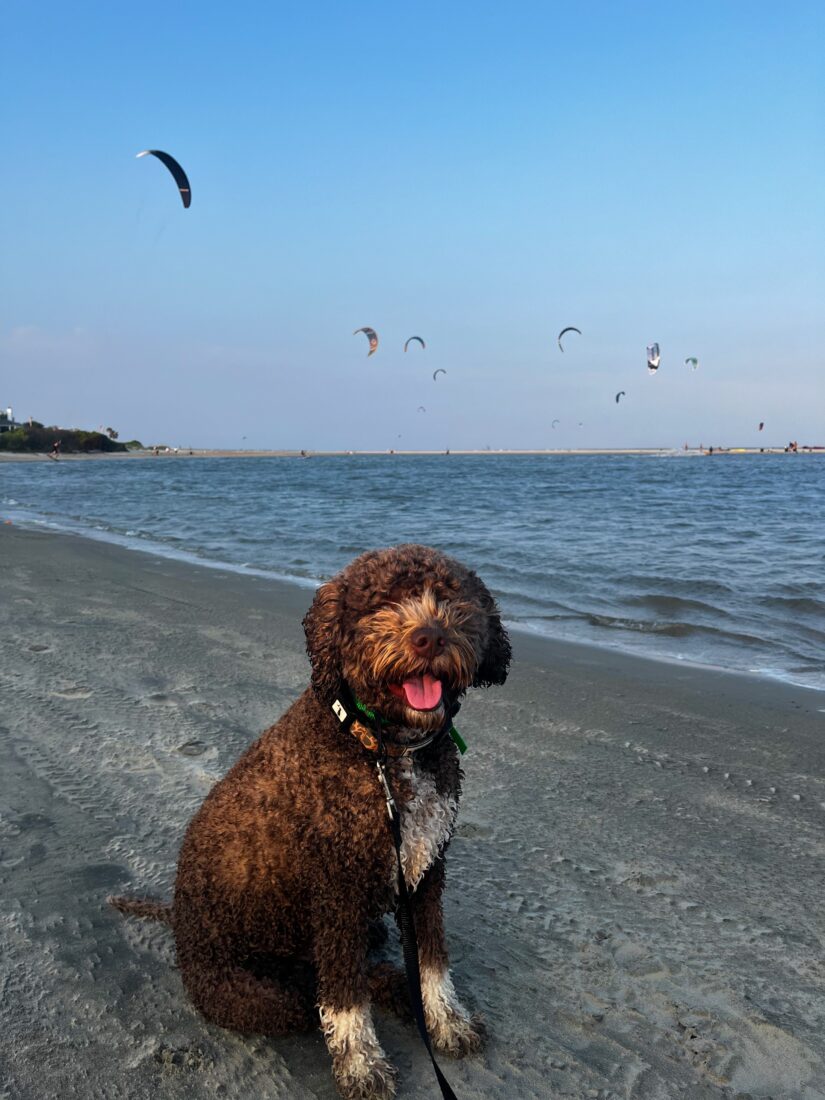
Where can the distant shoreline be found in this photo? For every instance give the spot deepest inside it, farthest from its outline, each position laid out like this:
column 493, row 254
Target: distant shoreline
column 208, row 452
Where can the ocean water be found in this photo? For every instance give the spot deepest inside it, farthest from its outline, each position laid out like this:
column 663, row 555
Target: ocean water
column 712, row 560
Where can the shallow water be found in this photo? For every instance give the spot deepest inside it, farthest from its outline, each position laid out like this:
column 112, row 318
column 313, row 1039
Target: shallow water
column 716, row 560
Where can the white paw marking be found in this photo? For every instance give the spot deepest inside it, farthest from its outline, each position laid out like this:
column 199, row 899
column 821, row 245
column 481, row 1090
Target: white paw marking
column 352, row 1042
column 448, row 1021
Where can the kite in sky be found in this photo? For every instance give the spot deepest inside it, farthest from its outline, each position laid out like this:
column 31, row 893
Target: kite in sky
column 178, row 174
column 371, row 335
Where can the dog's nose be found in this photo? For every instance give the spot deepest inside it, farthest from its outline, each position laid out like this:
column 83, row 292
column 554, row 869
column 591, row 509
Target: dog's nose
column 428, row 641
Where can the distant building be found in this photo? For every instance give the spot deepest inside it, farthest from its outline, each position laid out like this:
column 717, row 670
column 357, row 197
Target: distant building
column 7, row 421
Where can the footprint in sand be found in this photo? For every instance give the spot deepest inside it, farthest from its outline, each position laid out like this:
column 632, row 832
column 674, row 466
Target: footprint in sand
column 192, row 748
column 37, row 648
column 161, row 699
column 26, row 822
column 99, row 875
column 182, row 1058
column 36, row 854
column 73, row 693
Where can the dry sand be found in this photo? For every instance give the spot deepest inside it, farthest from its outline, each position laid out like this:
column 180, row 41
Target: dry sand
column 634, row 896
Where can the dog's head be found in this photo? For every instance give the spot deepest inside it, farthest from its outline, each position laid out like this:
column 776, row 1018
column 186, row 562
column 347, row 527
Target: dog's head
column 408, row 630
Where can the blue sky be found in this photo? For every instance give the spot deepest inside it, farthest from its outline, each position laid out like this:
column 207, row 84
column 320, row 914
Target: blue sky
column 477, row 175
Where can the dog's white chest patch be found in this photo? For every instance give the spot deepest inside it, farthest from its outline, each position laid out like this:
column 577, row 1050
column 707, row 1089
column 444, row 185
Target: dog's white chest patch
column 427, row 822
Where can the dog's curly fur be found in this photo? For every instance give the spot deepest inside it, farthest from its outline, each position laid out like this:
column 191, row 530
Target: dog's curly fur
column 289, row 862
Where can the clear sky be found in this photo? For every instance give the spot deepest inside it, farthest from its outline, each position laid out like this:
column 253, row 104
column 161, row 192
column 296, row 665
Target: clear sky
column 478, row 174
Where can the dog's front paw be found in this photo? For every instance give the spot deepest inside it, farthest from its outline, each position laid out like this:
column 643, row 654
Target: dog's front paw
column 358, row 1078
column 359, row 1065
column 452, row 1029
column 458, row 1034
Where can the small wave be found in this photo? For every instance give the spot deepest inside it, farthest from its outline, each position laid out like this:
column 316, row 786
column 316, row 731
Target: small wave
column 642, row 626
column 813, row 668
column 703, row 586
column 657, row 602
column 673, row 630
column 536, row 622
column 806, row 604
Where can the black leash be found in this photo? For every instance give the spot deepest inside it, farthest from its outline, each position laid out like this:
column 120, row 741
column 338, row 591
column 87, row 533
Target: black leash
column 409, row 941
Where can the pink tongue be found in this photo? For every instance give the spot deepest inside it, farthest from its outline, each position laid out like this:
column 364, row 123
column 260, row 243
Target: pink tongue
column 423, row 692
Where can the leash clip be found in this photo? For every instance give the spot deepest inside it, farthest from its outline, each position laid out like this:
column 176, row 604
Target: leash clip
column 392, row 809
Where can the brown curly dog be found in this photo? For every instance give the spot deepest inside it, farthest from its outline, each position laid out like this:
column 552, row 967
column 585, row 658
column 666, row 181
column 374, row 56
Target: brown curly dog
column 289, row 863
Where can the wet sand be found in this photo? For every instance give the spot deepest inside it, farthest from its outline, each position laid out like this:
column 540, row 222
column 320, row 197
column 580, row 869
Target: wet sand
column 634, row 898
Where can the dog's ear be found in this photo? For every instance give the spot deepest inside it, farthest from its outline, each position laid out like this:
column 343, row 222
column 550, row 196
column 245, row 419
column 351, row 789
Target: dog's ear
column 323, row 629
column 495, row 661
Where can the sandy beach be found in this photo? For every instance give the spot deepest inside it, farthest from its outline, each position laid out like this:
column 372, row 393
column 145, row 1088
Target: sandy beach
column 634, row 898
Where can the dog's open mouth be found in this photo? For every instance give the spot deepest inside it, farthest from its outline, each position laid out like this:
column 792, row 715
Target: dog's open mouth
column 419, row 692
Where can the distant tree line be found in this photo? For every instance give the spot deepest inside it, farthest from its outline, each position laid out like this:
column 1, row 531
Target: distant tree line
column 35, row 438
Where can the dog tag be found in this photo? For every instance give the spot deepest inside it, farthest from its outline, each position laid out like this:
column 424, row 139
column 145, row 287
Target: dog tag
column 338, row 710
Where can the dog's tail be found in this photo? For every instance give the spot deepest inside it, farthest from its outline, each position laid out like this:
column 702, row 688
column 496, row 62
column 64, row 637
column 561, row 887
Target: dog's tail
column 144, row 908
